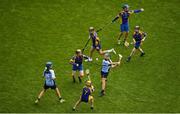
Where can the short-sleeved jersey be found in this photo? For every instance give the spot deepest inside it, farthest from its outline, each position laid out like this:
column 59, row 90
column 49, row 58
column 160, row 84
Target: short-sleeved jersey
column 138, row 36
column 124, row 16
column 49, row 77
column 95, row 39
column 85, row 93
column 106, row 66
column 78, row 59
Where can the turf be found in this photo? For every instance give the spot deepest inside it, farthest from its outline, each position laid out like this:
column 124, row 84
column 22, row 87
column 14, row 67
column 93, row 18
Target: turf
column 35, row 31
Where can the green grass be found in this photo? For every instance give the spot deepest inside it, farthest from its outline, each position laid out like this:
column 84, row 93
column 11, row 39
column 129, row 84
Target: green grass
column 35, row 31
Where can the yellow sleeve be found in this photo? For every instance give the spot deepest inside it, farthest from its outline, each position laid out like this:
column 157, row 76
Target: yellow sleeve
column 131, row 12
column 71, row 61
column 97, row 40
column 92, row 88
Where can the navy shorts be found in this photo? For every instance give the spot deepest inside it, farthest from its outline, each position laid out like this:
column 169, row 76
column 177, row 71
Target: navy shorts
column 95, row 47
column 137, row 44
column 85, row 100
column 77, row 68
column 104, row 74
column 124, row 28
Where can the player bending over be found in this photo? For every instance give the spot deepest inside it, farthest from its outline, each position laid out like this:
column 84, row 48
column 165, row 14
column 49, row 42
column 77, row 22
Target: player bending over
column 77, row 65
column 86, row 95
column 124, row 27
column 96, row 45
column 49, row 82
column 138, row 38
column 106, row 65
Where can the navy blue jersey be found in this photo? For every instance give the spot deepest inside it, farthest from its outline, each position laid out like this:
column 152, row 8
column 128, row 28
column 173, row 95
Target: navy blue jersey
column 78, row 59
column 138, row 36
column 85, row 94
column 95, row 39
column 124, row 16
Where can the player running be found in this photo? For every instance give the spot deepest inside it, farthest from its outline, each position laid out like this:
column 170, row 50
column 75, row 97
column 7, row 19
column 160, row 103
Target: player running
column 124, row 27
column 96, row 45
column 138, row 38
column 86, row 95
column 49, row 82
column 106, row 65
column 77, row 64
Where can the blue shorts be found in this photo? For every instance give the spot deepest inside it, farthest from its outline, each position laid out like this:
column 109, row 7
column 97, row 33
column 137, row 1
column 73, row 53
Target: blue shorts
column 104, row 74
column 124, row 27
column 84, row 99
column 137, row 44
column 79, row 68
column 95, row 47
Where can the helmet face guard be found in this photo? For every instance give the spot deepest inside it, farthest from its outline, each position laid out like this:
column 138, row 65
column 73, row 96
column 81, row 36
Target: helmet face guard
column 126, row 6
column 136, row 28
column 91, row 29
column 106, row 56
column 48, row 65
column 78, row 51
column 88, row 83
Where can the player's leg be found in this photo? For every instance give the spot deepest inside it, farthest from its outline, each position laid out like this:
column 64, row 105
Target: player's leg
column 58, row 94
column 77, row 104
column 103, row 86
column 142, row 52
column 91, row 100
column 81, row 74
column 132, row 52
column 91, row 53
column 119, row 37
column 74, row 75
column 40, row 95
column 126, row 37
column 120, row 33
column 126, row 29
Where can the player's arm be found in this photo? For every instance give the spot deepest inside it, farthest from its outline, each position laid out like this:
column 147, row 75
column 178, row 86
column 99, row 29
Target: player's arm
column 116, row 18
column 114, row 64
column 144, row 36
column 43, row 75
column 53, row 74
column 97, row 41
column 92, row 88
column 136, row 11
column 72, row 61
column 85, row 57
column 134, row 41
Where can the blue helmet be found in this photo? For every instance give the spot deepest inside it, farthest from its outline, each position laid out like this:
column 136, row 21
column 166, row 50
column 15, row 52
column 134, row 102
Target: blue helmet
column 48, row 64
column 125, row 6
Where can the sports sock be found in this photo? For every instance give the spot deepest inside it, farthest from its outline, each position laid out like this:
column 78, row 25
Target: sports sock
column 102, row 91
column 79, row 79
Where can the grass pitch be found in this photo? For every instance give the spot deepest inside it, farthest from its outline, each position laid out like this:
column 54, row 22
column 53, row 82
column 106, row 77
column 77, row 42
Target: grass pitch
column 35, row 31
